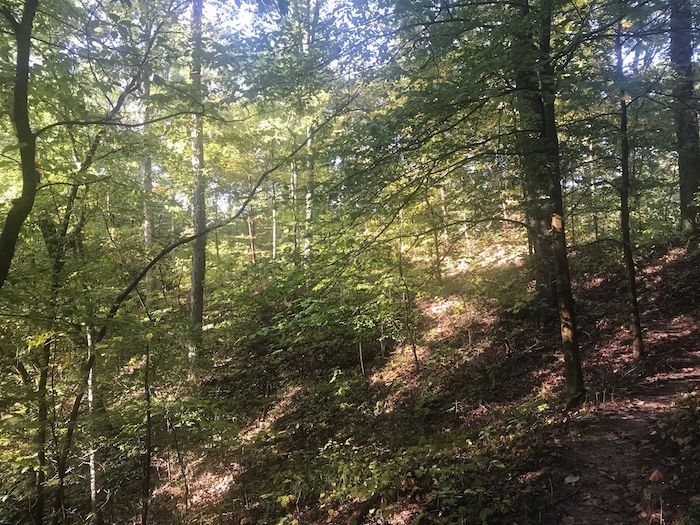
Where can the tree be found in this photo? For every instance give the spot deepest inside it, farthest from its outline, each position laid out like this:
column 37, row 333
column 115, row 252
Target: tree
column 199, row 246
column 567, row 310
column 685, row 112
column 26, row 139
column 532, row 148
column 635, row 323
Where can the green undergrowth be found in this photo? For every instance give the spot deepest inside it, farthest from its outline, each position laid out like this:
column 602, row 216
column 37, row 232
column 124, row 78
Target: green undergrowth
column 311, row 437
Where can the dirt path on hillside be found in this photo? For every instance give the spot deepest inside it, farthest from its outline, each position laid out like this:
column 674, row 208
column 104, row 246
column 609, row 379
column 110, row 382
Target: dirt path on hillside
column 613, row 457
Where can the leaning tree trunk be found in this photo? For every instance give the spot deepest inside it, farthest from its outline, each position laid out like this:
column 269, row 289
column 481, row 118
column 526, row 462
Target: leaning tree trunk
column 567, row 311
column 635, row 322
column 22, row 206
column 685, row 115
column 199, row 198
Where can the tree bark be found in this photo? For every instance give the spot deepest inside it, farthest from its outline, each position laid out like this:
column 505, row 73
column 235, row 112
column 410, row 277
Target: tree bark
column 22, row 206
column 42, row 423
column 295, row 208
column 199, row 195
column 567, row 311
column 310, row 190
column 148, row 445
column 635, row 322
column 148, row 217
column 92, row 452
column 148, row 221
column 532, row 149
column 274, row 221
column 685, row 114
column 251, row 238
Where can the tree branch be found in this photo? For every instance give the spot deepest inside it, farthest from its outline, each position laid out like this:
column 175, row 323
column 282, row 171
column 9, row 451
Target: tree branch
column 7, row 13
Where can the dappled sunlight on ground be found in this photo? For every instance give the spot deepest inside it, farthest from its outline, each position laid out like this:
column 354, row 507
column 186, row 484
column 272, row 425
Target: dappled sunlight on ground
column 280, row 409
column 208, row 488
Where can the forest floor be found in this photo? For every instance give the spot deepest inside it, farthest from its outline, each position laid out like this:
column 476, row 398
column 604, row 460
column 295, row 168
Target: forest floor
column 623, row 455
column 478, row 434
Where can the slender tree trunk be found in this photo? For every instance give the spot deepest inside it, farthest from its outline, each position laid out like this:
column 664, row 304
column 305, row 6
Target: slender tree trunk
column 217, row 247
column 181, row 462
column 59, row 507
column 22, row 206
column 274, row 221
column 251, row 221
column 444, row 218
column 148, row 446
column 437, row 224
column 295, row 208
column 635, row 322
column 572, row 215
column 567, row 311
column 148, row 235
column 685, row 112
column 310, row 190
column 148, row 221
column 42, row 424
column 251, row 237
column 92, row 453
column 407, row 297
column 594, row 206
column 199, row 196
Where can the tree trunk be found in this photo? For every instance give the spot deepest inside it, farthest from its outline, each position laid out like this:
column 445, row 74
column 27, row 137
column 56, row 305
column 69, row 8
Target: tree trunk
column 59, row 507
column 251, row 237
column 92, row 453
column 22, row 206
column 635, row 322
column 217, row 246
column 295, row 208
column 148, row 222
column 42, row 423
column 310, row 190
column 148, row 446
column 199, row 197
column 567, row 311
column 274, row 221
column 532, row 148
column 685, row 115
column 444, row 218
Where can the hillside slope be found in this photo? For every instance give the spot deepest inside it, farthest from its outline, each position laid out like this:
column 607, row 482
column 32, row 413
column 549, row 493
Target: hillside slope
column 475, row 432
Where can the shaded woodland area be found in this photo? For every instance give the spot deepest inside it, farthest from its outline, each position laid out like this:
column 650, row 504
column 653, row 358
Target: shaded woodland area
column 349, row 262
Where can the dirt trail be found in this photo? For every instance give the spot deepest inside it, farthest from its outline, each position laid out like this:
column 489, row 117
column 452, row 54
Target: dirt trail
column 615, row 453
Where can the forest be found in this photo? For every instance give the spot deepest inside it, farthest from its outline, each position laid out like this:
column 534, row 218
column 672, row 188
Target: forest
column 345, row 262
